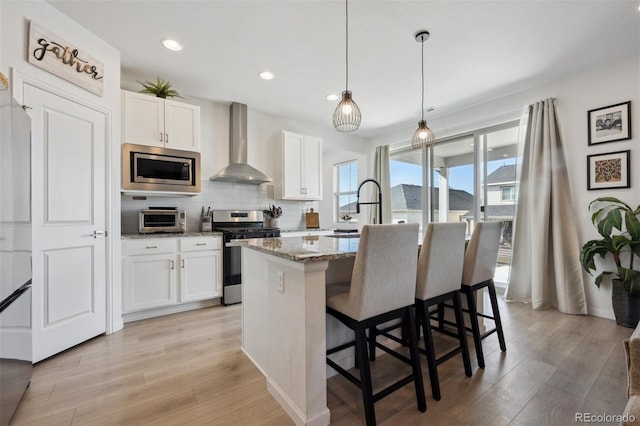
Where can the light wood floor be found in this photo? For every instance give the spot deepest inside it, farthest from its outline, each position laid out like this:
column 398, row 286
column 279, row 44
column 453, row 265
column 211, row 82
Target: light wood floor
column 188, row 369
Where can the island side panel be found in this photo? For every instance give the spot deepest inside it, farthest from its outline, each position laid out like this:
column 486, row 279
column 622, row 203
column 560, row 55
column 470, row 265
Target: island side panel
column 287, row 340
column 255, row 310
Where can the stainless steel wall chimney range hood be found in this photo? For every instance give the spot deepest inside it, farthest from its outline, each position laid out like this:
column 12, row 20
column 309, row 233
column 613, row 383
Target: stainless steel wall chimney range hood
column 238, row 170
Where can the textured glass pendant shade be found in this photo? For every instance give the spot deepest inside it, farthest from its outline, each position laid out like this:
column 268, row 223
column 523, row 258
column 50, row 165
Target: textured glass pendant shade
column 347, row 117
column 423, row 137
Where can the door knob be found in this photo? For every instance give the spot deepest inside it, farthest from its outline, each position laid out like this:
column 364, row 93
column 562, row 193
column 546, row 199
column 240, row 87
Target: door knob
column 101, row 234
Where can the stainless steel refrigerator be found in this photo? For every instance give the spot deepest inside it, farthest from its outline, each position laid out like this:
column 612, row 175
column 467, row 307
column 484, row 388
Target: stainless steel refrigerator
column 15, row 255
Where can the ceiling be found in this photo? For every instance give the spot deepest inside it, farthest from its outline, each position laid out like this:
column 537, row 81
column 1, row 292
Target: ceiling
column 478, row 49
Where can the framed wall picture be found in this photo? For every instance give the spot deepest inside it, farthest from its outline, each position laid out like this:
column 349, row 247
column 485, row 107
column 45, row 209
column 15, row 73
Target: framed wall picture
column 610, row 170
column 609, row 124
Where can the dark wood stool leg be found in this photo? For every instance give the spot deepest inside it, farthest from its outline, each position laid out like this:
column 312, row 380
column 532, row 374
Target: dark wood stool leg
column 365, row 376
column 423, row 311
column 441, row 315
column 462, row 335
column 373, row 332
column 496, row 315
column 415, row 359
column 473, row 318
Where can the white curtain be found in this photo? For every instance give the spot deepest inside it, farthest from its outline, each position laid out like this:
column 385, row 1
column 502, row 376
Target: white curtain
column 545, row 270
column 381, row 174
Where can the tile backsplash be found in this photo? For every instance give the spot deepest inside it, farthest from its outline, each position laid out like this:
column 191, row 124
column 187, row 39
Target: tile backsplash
column 218, row 196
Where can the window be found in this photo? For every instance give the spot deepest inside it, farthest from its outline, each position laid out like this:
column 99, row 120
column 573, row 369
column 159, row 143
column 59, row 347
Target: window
column 463, row 178
column 405, row 170
column 508, row 193
column 346, row 190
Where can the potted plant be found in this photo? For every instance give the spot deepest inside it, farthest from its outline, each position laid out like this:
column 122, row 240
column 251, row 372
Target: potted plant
column 162, row 89
column 619, row 226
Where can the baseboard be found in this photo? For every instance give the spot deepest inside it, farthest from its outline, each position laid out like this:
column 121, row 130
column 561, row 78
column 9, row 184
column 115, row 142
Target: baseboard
column 168, row 310
column 318, row 419
column 602, row 313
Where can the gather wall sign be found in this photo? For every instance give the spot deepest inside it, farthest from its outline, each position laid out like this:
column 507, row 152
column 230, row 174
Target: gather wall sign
column 59, row 57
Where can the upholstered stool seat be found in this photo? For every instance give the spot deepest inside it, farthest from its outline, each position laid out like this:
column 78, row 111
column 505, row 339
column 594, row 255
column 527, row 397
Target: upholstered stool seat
column 382, row 289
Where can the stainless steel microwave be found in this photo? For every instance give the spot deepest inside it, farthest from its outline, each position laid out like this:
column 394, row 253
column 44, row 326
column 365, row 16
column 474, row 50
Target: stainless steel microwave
column 156, row 220
column 150, row 168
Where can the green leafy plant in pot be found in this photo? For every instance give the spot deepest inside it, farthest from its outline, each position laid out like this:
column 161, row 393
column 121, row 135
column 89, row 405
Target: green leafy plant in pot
column 619, row 226
column 162, row 89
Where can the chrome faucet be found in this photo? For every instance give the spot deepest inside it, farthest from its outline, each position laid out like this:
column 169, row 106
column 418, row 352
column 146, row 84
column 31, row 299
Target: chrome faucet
column 379, row 202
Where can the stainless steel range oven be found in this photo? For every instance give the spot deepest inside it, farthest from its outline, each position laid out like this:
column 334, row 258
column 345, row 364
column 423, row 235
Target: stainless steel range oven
column 237, row 225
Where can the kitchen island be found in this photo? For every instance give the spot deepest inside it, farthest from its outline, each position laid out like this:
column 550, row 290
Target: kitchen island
column 284, row 326
column 285, row 329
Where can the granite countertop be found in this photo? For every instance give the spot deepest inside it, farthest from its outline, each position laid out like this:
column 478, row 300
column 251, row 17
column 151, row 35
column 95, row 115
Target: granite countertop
column 312, row 248
column 169, row 235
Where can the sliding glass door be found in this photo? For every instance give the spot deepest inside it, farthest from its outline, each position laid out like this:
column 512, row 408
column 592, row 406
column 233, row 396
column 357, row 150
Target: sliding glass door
column 467, row 178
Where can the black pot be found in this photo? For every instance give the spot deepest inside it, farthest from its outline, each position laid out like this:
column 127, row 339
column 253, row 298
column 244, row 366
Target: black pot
column 626, row 308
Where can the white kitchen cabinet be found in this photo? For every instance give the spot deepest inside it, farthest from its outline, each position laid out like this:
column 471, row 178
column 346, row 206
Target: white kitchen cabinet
column 200, row 268
column 149, row 281
column 148, row 120
column 169, row 272
column 149, row 274
column 301, row 167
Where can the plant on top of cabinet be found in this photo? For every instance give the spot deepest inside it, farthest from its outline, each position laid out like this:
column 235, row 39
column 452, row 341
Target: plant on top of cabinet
column 162, row 89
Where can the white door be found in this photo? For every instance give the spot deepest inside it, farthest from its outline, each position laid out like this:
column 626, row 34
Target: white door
column 69, row 209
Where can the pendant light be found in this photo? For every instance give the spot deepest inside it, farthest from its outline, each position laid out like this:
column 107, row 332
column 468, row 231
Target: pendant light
column 347, row 117
column 423, row 137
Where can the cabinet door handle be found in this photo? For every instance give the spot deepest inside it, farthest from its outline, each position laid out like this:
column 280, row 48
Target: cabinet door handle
column 182, row 263
column 201, row 244
column 161, row 140
column 173, row 265
column 151, row 247
column 166, row 137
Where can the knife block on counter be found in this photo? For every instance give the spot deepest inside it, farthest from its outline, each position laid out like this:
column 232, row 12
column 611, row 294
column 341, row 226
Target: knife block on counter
column 205, row 224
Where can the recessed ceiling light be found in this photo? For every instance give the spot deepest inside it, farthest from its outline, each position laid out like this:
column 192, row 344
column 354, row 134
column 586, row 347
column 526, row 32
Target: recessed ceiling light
column 266, row 75
column 332, row 97
column 171, row 44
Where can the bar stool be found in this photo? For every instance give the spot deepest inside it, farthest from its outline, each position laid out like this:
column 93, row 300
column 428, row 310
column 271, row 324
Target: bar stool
column 479, row 269
column 382, row 289
column 438, row 280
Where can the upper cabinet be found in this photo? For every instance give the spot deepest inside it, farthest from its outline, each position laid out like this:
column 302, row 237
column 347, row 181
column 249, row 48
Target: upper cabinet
column 301, row 167
column 148, row 120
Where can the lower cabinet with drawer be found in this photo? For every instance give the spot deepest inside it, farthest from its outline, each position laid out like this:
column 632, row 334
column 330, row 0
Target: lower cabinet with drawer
column 170, row 273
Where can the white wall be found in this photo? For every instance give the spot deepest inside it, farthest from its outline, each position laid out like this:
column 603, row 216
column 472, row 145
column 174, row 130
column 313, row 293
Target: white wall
column 608, row 84
column 264, row 134
column 14, row 24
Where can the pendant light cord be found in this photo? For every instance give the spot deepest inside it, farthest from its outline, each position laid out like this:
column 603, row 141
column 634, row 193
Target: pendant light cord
column 346, row 32
column 422, row 58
